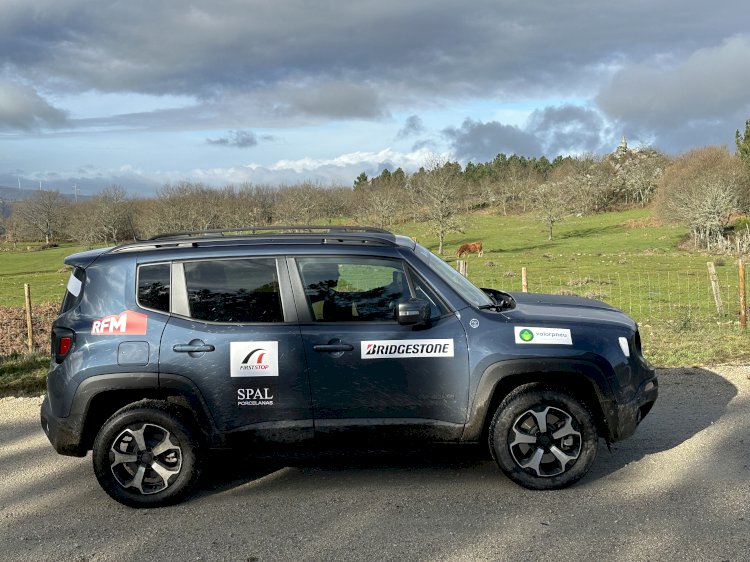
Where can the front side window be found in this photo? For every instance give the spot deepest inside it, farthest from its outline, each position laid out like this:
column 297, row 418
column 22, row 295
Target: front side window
column 153, row 286
column 243, row 290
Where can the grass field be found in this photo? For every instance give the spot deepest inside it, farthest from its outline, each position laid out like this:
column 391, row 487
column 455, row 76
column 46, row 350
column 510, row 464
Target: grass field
column 624, row 258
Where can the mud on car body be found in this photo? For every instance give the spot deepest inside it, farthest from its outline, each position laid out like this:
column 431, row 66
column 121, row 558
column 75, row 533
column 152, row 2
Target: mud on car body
column 169, row 347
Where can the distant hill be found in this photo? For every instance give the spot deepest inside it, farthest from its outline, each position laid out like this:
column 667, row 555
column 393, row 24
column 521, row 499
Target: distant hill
column 15, row 194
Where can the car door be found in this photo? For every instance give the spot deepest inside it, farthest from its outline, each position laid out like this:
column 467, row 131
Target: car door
column 368, row 371
column 233, row 335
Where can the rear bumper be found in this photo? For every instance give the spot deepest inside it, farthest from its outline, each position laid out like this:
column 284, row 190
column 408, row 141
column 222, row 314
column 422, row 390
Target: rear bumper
column 65, row 434
column 630, row 414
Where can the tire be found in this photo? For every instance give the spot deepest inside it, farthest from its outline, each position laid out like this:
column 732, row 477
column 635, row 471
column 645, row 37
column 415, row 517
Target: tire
column 145, row 455
column 543, row 438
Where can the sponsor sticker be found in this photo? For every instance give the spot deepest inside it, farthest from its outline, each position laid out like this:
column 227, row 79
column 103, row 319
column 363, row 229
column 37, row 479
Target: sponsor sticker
column 406, row 348
column 126, row 323
column 548, row 336
column 474, row 323
column 257, row 396
column 254, row 358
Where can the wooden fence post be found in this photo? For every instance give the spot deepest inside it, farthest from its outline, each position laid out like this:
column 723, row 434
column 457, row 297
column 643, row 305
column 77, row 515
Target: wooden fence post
column 743, row 295
column 462, row 267
column 29, row 327
column 716, row 289
column 524, row 281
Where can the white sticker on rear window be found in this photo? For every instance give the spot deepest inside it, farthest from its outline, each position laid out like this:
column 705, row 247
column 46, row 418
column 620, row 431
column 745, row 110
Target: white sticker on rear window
column 406, row 348
column 548, row 336
column 74, row 285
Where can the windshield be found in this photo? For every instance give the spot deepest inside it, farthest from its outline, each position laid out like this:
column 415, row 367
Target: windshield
column 461, row 284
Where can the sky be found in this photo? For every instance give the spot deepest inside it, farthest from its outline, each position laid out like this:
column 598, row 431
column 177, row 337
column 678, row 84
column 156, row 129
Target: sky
column 144, row 93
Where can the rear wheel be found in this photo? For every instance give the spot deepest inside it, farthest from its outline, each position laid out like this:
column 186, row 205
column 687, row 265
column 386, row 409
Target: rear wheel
column 146, row 456
column 543, row 438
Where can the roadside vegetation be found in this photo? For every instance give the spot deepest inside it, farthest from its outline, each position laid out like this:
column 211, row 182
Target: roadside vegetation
column 634, row 228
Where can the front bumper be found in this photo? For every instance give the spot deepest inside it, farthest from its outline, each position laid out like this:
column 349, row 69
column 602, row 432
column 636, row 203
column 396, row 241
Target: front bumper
column 65, row 434
column 630, row 414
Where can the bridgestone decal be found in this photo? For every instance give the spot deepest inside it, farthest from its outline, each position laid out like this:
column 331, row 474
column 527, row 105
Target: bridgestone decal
column 406, row 348
column 547, row 336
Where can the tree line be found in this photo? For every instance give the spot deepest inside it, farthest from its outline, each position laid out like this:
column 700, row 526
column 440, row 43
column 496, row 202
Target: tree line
column 706, row 188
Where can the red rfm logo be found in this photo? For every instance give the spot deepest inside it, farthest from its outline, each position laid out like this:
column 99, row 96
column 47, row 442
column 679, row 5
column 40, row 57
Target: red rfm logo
column 126, row 323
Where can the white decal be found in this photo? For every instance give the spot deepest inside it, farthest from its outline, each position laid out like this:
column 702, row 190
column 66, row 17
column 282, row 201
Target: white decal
column 536, row 335
column 74, row 285
column 262, row 396
column 127, row 322
column 254, row 358
column 406, row 348
column 474, row 323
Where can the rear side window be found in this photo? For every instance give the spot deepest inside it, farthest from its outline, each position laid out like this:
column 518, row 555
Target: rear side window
column 74, row 290
column 153, row 286
column 243, row 290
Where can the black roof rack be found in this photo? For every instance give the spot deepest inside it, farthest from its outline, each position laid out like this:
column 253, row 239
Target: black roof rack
column 273, row 229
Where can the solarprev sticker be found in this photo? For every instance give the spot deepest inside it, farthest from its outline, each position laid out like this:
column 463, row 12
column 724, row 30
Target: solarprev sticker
column 553, row 336
column 406, row 348
column 254, row 358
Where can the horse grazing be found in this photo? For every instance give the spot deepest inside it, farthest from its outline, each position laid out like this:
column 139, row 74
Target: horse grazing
column 474, row 247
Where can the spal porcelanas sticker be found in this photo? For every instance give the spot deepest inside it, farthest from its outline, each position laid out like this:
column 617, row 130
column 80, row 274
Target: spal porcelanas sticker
column 254, row 358
column 406, row 348
column 256, row 396
column 546, row 336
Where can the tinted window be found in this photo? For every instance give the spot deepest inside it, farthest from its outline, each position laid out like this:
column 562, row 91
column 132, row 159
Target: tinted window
column 234, row 290
column 353, row 289
column 153, row 286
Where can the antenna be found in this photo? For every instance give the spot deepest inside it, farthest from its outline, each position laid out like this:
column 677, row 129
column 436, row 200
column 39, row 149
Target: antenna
column 19, row 182
column 75, row 192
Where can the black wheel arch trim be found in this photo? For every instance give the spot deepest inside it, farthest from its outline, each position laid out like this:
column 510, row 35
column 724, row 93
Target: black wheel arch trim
column 500, row 378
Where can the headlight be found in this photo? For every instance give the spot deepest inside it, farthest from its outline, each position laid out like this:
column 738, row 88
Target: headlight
column 624, row 346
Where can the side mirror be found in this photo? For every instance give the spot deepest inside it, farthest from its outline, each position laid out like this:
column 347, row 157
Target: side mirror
column 413, row 312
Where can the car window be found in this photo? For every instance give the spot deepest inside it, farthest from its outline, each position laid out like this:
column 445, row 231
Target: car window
column 153, row 286
column 353, row 289
column 242, row 290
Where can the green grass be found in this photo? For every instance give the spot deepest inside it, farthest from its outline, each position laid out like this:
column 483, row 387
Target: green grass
column 623, row 258
column 44, row 270
column 23, row 375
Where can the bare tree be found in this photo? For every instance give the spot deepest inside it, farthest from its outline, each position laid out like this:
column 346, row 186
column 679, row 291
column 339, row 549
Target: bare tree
column 551, row 201
column 43, row 214
column 439, row 190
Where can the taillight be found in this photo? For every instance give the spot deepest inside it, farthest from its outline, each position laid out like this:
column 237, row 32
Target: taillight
column 63, row 340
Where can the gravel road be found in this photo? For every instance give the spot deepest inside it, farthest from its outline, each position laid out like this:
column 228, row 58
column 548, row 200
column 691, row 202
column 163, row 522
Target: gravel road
column 677, row 490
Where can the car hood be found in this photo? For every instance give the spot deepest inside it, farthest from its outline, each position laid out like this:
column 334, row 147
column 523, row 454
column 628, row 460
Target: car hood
column 562, row 309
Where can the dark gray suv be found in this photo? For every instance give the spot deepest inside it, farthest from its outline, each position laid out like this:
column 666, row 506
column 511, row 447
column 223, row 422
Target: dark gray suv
column 169, row 347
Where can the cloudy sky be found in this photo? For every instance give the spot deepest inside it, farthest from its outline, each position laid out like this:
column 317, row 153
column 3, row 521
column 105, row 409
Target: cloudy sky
column 141, row 93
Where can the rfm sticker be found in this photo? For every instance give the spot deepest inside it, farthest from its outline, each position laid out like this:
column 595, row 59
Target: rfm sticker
column 126, row 323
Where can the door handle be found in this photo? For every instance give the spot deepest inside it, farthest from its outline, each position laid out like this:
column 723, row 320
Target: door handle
column 192, row 348
column 333, row 347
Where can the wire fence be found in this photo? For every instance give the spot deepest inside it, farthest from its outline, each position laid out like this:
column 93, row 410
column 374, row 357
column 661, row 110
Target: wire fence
column 652, row 296
column 667, row 296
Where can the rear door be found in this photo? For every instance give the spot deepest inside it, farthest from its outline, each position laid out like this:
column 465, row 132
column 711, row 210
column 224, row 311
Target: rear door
column 367, row 371
column 233, row 335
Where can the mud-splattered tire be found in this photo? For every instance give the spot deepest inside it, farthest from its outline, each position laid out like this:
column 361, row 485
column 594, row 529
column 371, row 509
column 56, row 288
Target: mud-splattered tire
column 543, row 438
column 145, row 455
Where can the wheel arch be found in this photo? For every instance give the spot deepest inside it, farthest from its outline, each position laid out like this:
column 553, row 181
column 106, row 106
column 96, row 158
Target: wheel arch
column 583, row 380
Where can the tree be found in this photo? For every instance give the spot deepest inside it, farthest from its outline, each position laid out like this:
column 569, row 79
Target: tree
column 551, row 200
column 702, row 189
column 439, row 189
column 361, row 181
column 743, row 144
column 43, row 214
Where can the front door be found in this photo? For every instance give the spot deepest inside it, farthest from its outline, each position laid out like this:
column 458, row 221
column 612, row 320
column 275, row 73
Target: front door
column 366, row 370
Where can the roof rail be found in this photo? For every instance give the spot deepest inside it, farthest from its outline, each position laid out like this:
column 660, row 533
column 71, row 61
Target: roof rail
column 257, row 230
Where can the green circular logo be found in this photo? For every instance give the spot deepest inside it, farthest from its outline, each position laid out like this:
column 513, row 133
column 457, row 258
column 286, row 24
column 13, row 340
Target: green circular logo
column 526, row 334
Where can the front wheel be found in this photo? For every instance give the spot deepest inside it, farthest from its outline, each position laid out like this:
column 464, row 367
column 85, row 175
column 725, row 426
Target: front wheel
column 543, row 438
column 145, row 456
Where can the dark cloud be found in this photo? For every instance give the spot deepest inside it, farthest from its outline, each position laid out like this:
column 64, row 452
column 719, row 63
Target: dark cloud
column 21, row 107
column 238, row 139
column 412, row 126
column 567, row 128
column 483, row 141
